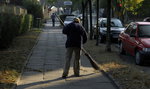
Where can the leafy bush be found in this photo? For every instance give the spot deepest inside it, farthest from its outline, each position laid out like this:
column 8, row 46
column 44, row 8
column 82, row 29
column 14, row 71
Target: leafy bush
column 9, row 28
column 12, row 25
column 30, row 21
column 26, row 23
column 144, row 9
column 33, row 7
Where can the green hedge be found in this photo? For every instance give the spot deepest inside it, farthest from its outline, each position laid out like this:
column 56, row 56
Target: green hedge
column 35, row 9
column 12, row 25
column 26, row 22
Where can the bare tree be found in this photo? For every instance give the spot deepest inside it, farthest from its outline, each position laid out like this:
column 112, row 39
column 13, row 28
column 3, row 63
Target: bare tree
column 108, row 41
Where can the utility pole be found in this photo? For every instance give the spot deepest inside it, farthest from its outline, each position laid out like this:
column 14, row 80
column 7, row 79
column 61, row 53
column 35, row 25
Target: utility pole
column 83, row 14
column 86, row 19
column 90, row 10
column 108, row 41
column 97, row 28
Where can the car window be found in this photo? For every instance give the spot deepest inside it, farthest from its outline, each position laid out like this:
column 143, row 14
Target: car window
column 104, row 23
column 144, row 31
column 116, row 23
column 133, row 32
column 129, row 28
column 113, row 23
column 133, row 29
column 69, row 18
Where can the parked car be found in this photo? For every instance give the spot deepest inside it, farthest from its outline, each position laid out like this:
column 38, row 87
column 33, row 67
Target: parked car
column 135, row 40
column 116, row 28
column 68, row 19
column 80, row 16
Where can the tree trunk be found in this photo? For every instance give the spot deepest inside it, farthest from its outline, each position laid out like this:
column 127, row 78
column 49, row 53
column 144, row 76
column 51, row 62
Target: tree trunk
column 90, row 11
column 97, row 28
column 86, row 20
column 108, row 40
column 83, row 13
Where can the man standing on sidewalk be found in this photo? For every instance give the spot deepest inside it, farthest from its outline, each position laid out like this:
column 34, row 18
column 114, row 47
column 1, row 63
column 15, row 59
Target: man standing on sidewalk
column 76, row 36
column 53, row 19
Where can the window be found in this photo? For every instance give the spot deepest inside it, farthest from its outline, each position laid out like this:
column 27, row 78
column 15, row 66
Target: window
column 104, row 23
column 144, row 31
column 116, row 23
column 113, row 23
column 133, row 30
column 129, row 28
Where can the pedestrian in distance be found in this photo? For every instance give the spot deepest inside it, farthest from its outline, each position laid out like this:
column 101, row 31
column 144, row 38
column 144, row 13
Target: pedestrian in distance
column 76, row 36
column 53, row 16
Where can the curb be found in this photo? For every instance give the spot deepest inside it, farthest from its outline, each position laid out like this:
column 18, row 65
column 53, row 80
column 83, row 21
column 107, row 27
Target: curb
column 116, row 84
column 110, row 77
column 29, row 55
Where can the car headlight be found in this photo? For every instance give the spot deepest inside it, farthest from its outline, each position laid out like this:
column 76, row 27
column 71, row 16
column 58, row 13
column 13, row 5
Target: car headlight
column 146, row 49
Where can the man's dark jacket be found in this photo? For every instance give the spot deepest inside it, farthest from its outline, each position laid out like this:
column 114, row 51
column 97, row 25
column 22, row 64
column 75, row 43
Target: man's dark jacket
column 76, row 35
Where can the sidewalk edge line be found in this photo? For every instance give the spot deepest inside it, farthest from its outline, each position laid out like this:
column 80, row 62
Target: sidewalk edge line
column 27, row 59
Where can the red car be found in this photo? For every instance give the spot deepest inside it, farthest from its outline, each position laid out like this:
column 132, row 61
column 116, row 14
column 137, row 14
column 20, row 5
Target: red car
column 135, row 40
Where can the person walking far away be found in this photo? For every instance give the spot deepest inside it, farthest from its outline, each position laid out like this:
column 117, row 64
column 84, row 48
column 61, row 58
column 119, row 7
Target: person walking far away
column 53, row 19
column 76, row 36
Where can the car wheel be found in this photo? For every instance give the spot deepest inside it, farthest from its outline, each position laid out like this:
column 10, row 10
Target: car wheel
column 101, row 39
column 121, row 49
column 138, row 59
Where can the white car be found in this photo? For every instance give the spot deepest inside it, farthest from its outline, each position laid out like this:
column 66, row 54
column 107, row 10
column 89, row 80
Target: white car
column 80, row 16
column 116, row 28
column 68, row 19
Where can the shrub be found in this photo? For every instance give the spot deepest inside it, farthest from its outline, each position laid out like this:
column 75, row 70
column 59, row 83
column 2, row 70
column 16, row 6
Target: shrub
column 26, row 23
column 34, row 8
column 9, row 28
column 12, row 25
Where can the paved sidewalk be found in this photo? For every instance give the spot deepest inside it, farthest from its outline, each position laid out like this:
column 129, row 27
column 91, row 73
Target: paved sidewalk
column 45, row 66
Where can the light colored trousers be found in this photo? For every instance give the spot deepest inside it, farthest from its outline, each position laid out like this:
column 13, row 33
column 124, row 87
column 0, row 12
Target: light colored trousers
column 76, row 63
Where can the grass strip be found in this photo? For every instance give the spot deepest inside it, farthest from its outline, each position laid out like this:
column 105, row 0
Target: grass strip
column 129, row 76
column 13, row 58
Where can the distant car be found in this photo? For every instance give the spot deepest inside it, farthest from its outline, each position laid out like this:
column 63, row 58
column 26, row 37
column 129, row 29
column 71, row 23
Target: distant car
column 147, row 19
column 116, row 28
column 80, row 16
column 68, row 19
column 135, row 40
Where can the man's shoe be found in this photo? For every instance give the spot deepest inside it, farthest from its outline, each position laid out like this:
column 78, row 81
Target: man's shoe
column 77, row 75
column 64, row 77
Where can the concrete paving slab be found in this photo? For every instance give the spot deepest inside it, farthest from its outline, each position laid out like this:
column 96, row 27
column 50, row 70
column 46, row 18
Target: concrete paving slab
column 31, row 77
